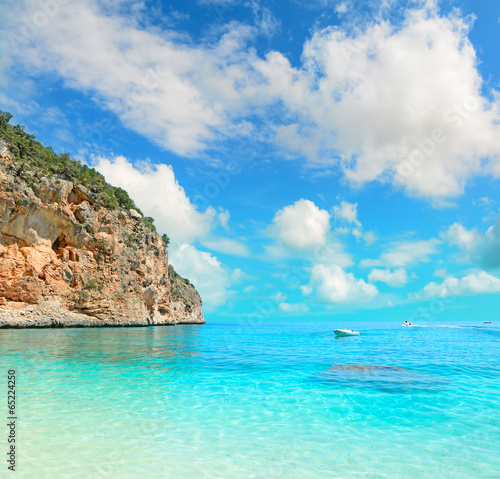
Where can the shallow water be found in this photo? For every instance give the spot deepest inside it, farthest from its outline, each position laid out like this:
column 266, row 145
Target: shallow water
column 280, row 400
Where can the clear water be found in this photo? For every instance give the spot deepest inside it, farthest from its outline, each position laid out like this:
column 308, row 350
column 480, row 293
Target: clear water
column 225, row 401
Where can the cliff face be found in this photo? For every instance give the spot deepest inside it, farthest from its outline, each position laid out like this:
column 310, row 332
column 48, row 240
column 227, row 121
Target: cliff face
column 66, row 260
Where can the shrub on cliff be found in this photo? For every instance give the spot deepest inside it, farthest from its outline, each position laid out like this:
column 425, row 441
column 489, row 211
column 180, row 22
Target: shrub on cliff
column 33, row 161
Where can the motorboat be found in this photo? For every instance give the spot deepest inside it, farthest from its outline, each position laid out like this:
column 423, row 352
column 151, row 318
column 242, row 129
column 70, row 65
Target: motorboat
column 345, row 332
column 407, row 323
column 487, row 322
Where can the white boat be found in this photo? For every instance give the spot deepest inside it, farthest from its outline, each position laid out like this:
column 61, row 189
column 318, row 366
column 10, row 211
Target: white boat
column 407, row 323
column 487, row 322
column 345, row 332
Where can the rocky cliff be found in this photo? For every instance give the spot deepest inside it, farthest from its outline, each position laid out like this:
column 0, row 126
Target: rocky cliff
column 66, row 259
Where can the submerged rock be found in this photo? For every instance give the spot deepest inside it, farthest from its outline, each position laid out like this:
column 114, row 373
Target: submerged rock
column 363, row 367
column 392, row 379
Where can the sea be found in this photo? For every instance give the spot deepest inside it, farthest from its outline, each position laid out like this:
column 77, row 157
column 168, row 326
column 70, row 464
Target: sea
column 231, row 399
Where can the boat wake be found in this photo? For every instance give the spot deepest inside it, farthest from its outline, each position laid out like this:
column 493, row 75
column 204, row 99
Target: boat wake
column 451, row 326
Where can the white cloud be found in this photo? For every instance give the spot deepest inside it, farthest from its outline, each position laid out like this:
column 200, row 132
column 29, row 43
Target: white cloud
column 293, row 307
column 474, row 283
column 301, row 226
column 203, row 270
column 397, row 278
column 480, row 248
column 264, row 19
column 333, row 252
column 405, row 253
column 280, row 296
column 238, row 275
column 489, row 251
column 342, row 8
column 305, row 229
column 158, row 83
column 441, row 273
column 226, row 245
column 158, row 194
column 461, row 237
column 370, row 237
column 398, row 103
column 332, row 284
column 223, row 216
column 347, row 212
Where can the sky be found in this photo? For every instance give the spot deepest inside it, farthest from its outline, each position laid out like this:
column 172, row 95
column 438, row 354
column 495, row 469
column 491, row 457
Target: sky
column 328, row 159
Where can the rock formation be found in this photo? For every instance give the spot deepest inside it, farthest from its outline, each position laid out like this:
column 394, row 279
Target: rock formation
column 67, row 260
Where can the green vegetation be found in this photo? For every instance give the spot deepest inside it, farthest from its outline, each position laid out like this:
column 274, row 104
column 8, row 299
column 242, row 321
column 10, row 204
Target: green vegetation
column 166, row 240
column 81, row 296
column 33, row 161
column 132, row 240
column 149, row 222
column 92, row 284
column 173, row 274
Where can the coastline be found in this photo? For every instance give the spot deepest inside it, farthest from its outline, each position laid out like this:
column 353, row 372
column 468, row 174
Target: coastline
column 50, row 315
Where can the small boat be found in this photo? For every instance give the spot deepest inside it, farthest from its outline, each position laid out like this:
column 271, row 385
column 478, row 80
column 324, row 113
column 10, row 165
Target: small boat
column 487, row 322
column 345, row 332
column 407, row 323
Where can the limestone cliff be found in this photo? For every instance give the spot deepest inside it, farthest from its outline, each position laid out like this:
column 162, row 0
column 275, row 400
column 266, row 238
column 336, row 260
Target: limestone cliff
column 68, row 260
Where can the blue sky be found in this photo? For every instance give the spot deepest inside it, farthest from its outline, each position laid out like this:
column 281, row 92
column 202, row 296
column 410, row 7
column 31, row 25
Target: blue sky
column 329, row 159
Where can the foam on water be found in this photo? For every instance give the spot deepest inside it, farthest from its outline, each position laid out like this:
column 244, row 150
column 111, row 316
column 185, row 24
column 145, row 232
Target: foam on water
column 277, row 401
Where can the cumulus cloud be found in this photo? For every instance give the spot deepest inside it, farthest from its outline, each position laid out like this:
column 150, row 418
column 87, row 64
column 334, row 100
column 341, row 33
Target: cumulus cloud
column 482, row 249
column 301, row 226
column 158, row 83
column 463, row 238
column 474, row 283
column 390, row 102
column 226, row 245
column 331, row 284
column 394, row 102
column 489, row 250
column 293, row 307
column 157, row 193
column 441, row 273
column 341, row 8
column 208, row 275
column 223, row 216
column 405, row 253
column 397, row 278
column 347, row 212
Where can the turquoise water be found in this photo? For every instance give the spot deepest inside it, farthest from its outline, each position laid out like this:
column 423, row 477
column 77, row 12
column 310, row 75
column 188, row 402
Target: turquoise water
column 231, row 401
